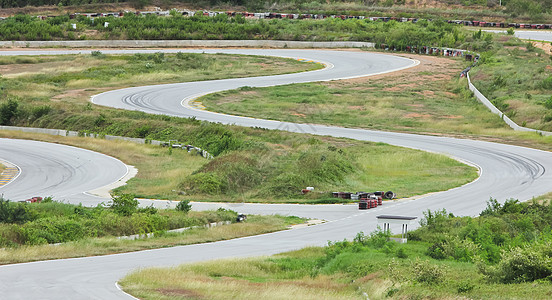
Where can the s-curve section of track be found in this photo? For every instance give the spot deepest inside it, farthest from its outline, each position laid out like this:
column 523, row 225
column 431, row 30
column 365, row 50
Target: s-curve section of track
column 506, row 172
column 63, row 172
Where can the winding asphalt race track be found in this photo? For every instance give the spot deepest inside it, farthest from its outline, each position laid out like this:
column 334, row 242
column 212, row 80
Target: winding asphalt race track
column 506, row 172
column 60, row 171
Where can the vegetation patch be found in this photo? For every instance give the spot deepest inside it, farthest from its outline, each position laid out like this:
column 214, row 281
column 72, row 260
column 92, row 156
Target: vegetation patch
column 199, row 27
column 28, row 230
column 503, row 253
column 278, row 175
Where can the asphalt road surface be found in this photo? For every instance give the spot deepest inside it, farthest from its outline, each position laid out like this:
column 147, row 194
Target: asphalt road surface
column 66, row 173
column 506, row 172
column 540, row 35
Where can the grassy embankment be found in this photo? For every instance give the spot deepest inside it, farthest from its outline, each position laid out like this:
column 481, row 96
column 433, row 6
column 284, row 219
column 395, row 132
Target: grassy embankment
column 517, row 78
column 251, row 164
column 503, row 254
column 27, row 231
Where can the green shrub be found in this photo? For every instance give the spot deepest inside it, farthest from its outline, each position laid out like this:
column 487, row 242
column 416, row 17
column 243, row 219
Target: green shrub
column 241, row 171
column 436, row 251
column 425, row 272
column 205, row 183
column 401, row 253
column 39, row 111
column 8, row 111
column 465, row 287
column 11, row 212
column 546, row 83
column 318, row 165
column 124, row 205
column 522, row 264
column 98, row 54
column 149, row 210
column 548, row 103
column 454, row 247
column 435, row 220
column 226, row 214
column 52, row 230
column 184, row 206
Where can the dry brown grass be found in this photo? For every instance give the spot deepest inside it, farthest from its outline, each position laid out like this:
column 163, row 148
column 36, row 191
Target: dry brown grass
column 232, row 279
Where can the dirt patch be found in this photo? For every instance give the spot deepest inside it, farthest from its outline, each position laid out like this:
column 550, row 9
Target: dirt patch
column 228, row 99
column 440, row 66
column 544, row 46
column 14, row 70
column 299, row 115
column 357, row 107
column 180, row 293
column 514, row 48
column 369, row 277
column 479, row 76
column 362, row 88
column 392, row 89
column 516, row 104
column 417, row 116
column 71, row 94
column 428, row 93
column 249, row 93
column 399, row 87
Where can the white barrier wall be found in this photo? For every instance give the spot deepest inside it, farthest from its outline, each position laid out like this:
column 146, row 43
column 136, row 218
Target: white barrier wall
column 495, row 110
column 62, row 132
column 182, row 43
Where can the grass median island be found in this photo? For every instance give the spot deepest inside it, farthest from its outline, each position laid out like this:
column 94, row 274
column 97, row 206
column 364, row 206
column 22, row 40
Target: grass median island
column 28, row 230
column 427, row 98
column 503, row 254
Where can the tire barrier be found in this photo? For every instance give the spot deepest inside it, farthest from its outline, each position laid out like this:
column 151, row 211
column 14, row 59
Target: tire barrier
column 273, row 15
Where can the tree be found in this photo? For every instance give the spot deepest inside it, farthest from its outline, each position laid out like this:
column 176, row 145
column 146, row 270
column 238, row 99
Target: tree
column 8, row 110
